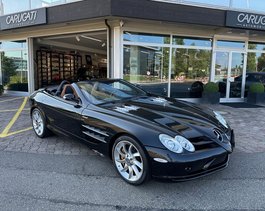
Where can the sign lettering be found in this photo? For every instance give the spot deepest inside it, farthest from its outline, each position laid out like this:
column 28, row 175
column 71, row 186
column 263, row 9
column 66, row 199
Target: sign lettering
column 245, row 20
column 22, row 19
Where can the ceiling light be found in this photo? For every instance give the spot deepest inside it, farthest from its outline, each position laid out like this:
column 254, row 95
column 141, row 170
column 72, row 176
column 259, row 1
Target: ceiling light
column 77, row 38
column 91, row 38
column 103, row 44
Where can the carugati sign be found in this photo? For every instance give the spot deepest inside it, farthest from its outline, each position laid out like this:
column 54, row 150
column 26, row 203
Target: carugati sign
column 23, row 19
column 245, row 20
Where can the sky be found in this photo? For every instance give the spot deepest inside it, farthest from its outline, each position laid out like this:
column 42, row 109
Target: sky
column 257, row 5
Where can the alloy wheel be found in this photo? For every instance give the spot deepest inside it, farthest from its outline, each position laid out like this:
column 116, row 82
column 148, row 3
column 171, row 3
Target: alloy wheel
column 128, row 161
column 37, row 122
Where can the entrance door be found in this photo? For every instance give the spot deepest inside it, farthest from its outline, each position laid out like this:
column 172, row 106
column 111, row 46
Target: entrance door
column 229, row 72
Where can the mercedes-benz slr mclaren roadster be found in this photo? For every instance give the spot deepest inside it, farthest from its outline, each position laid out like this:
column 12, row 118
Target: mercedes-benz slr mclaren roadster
column 145, row 135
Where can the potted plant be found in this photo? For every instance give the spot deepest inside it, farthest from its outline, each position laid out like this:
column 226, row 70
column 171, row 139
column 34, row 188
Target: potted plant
column 256, row 93
column 211, row 93
column 1, row 89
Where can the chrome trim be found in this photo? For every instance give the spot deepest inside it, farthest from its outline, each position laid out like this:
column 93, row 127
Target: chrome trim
column 93, row 136
column 95, row 130
column 160, row 160
column 218, row 135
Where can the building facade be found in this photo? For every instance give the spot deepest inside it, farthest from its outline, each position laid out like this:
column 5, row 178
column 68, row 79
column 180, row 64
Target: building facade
column 169, row 47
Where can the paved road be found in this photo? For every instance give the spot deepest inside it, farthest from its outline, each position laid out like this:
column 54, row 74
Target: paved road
column 52, row 182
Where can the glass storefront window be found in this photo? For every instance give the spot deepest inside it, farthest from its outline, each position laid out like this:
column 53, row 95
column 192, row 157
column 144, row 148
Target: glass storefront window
column 49, row 3
column 224, row 3
column 14, row 67
column 192, row 41
column 148, row 67
column 146, row 38
column 242, row 4
column 221, row 70
column 236, row 73
column 13, row 6
column 256, row 62
column 228, row 73
column 212, row 2
column 13, row 45
column 257, row 5
column 252, row 5
column 256, row 46
column 190, row 70
column 230, row 44
column 255, row 69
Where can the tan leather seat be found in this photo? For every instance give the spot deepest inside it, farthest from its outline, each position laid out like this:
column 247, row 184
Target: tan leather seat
column 68, row 89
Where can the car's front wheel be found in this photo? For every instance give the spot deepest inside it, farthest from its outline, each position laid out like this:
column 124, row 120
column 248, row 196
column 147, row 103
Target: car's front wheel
column 130, row 160
column 39, row 123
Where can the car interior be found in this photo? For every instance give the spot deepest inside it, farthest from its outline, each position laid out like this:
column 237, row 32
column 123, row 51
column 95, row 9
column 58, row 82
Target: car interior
column 64, row 88
column 68, row 89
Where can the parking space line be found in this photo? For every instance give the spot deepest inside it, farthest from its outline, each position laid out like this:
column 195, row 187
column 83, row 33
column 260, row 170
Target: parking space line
column 14, row 119
column 19, row 131
column 10, row 99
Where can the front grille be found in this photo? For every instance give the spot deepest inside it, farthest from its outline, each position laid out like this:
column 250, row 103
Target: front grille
column 202, row 143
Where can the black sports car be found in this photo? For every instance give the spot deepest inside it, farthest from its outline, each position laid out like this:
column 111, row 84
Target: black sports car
column 145, row 135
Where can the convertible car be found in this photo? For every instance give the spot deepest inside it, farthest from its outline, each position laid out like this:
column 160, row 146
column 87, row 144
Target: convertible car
column 145, row 135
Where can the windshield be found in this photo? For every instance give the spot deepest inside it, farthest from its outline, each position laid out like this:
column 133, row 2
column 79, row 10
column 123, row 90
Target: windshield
column 99, row 92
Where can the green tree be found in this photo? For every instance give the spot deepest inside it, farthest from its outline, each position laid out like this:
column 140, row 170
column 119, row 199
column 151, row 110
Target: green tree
column 8, row 68
column 180, row 60
column 261, row 63
column 200, row 63
column 192, row 63
column 165, row 63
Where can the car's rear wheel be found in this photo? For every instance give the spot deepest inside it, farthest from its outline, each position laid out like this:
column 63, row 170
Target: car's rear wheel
column 39, row 123
column 130, row 160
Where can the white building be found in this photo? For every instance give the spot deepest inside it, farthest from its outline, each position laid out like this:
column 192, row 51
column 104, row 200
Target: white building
column 170, row 47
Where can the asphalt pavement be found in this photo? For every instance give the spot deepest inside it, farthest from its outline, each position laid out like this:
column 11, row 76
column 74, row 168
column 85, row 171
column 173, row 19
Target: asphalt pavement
column 58, row 182
column 61, row 174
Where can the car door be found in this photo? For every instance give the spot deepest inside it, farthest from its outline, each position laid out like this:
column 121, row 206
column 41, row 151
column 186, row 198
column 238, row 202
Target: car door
column 64, row 115
column 67, row 117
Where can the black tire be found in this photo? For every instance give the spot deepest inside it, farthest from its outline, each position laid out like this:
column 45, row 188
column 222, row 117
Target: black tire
column 45, row 132
column 136, row 147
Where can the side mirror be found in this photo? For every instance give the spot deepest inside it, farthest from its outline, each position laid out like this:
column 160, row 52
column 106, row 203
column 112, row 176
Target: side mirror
column 70, row 97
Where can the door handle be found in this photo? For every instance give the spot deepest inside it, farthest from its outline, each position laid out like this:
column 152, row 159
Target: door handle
column 77, row 106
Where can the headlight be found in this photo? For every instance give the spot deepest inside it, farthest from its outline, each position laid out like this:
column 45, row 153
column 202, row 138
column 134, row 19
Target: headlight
column 176, row 144
column 221, row 119
column 185, row 143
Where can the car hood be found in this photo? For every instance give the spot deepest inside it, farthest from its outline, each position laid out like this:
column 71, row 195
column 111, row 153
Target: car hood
column 179, row 117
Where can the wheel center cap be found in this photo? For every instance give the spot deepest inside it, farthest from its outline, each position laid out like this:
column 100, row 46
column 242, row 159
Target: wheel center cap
column 127, row 160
